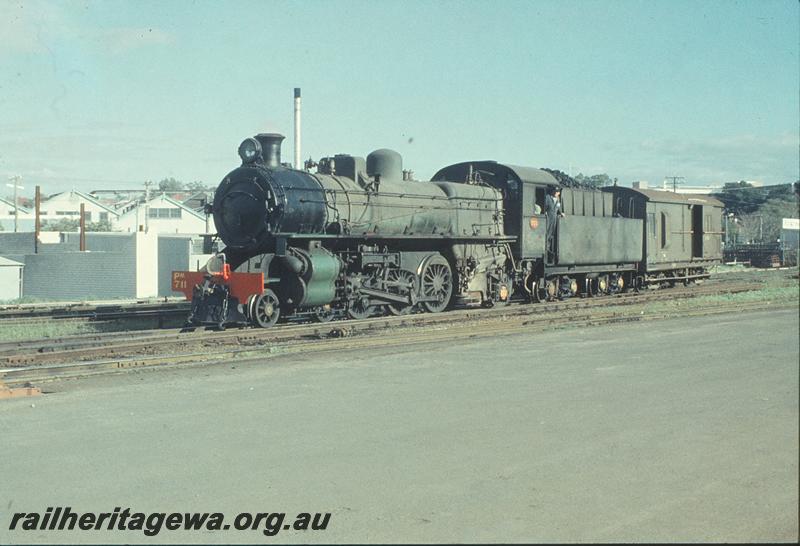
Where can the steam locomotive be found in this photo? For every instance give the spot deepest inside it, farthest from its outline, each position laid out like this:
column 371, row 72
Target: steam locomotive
column 361, row 237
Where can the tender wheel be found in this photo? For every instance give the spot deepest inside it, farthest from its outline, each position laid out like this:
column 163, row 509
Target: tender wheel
column 407, row 284
column 265, row 309
column 437, row 284
column 539, row 291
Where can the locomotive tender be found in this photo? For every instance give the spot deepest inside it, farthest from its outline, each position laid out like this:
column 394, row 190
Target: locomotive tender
column 359, row 237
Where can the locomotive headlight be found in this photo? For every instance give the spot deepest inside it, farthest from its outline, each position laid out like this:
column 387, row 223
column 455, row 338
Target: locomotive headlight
column 249, row 150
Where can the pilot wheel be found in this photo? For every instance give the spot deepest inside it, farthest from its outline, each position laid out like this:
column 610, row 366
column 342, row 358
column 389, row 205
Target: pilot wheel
column 264, row 309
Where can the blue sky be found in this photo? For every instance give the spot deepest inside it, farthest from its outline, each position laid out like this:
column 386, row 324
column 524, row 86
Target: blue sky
column 110, row 94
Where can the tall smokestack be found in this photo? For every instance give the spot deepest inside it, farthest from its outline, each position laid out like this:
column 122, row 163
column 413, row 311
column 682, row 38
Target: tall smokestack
column 297, row 128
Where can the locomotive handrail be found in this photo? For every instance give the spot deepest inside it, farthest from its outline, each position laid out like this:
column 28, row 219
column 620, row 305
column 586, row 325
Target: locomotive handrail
column 405, row 195
column 346, row 194
column 393, row 205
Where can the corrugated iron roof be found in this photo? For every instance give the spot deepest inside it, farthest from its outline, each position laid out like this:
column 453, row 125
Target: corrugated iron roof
column 525, row 174
column 659, row 196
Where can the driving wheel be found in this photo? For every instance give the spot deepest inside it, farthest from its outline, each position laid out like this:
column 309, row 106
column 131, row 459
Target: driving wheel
column 436, row 284
column 406, row 283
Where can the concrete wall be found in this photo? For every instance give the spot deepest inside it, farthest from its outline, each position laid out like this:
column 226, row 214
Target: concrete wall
column 173, row 255
column 177, row 253
column 116, row 265
column 146, row 264
column 100, row 241
column 80, row 275
column 16, row 243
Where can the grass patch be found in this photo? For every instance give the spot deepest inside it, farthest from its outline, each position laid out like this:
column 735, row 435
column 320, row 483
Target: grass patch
column 45, row 330
column 775, row 294
column 11, row 330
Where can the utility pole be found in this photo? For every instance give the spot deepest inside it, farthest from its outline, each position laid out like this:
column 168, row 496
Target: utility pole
column 82, row 226
column 38, row 223
column 675, row 181
column 725, row 242
column 16, row 187
column 728, row 226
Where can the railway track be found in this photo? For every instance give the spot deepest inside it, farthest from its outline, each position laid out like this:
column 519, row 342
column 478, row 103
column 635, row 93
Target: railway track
column 401, row 338
column 37, row 313
column 81, row 357
column 113, row 343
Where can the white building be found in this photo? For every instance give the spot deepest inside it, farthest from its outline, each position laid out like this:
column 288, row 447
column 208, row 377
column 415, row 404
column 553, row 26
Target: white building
column 10, row 279
column 68, row 205
column 198, row 200
column 163, row 214
column 790, row 233
column 26, row 217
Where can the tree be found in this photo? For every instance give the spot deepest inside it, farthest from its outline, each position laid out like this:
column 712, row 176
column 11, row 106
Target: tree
column 64, row 224
column 749, row 228
column 759, row 211
column 595, row 180
column 774, row 211
column 728, row 186
column 197, row 186
column 741, row 197
column 102, row 225
column 170, row 184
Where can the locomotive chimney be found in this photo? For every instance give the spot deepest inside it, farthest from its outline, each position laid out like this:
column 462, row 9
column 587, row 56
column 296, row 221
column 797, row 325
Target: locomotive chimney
column 297, row 164
column 270, row 148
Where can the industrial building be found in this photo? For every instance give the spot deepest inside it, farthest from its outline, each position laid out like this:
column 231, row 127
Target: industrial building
column 10, row 279
column 112, row 265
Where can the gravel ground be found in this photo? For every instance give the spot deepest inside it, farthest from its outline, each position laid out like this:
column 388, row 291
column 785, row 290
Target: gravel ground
column 677, row 430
